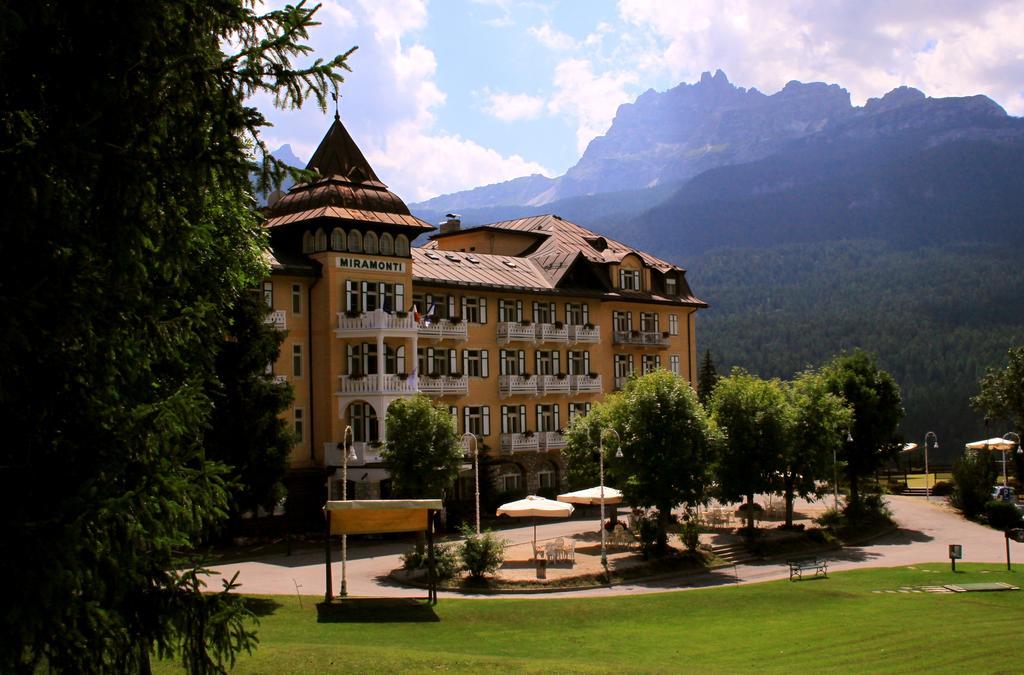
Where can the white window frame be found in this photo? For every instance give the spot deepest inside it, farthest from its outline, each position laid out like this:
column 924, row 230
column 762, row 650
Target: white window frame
column 297, row 360
column 673, row 324
column 296, row 298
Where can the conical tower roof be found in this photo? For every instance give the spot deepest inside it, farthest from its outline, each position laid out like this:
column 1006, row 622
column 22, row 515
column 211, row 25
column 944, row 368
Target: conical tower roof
column 348, row 189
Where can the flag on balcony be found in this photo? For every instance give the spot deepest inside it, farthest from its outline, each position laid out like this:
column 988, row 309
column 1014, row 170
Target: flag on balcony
column 416, row 313
column 431, row 310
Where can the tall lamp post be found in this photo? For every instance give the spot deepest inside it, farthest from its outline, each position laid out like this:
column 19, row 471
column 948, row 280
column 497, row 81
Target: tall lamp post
column 347, row 453
column 466, row 437
column 600, row 460
column 1014, row 434
column 835, row 473
column 927, row 489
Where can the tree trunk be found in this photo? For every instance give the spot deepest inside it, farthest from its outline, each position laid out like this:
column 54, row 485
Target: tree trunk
column 661, row 546
column 750, row 511
column 854, row 492
column 789, row 501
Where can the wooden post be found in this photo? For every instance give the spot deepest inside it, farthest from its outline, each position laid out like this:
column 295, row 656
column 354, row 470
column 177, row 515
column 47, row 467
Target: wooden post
column 431, row 572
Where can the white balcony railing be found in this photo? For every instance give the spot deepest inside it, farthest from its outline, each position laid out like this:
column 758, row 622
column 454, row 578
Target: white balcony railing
column 551, row 440
column 640, row 338
column 443, row 329
column 280, row 379
column 377, row 320
column 552, row 332
column 584, row 334
column 512, row 385
column 278, row 319
column 512, row 331
column 444, row 385
column 585, row 384
column 525, row 442
column 552, row 384
column 376, row 384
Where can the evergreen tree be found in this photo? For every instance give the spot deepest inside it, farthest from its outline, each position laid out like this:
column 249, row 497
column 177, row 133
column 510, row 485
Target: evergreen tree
column 1002, row 391
column 129, row 233
column 246, row 432
column 707, row 378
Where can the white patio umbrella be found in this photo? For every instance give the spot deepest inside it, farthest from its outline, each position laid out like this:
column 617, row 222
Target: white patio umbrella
column 907, row 447
column 591, row 496
column 1000, row 444
column 538, row 507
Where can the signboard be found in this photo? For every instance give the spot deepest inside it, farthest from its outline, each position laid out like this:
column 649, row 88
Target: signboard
column 1017, row 534
column 378, row 521
column 956, row 552
column 349, row 262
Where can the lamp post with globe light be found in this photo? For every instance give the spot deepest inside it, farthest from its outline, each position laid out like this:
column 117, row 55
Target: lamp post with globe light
column 466, row 437
column 927, row 488
column 600, row 456
column 348, row 453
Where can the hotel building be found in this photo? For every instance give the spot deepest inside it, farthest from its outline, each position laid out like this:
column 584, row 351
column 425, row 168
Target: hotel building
column 516, row 327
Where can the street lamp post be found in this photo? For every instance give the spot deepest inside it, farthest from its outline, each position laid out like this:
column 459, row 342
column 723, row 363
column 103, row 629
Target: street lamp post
column 927, row 489
column 476, row 473
column 835, row 473
column 347, row 453
column 600, row 456
column 1010, row 433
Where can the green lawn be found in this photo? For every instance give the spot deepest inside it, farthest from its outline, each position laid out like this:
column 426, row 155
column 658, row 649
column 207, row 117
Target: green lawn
column 835, row 624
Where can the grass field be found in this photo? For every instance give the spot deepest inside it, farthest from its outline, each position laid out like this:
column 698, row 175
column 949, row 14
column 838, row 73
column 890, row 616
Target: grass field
column 834, row 624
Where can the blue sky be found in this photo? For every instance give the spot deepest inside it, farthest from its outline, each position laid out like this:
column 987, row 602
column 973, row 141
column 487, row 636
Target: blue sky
column 449, row 95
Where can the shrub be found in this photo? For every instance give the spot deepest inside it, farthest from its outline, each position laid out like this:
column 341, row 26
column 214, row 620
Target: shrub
column 830, row 519
column 481, row 553
column 689, row 532
column 1002, row 515
column 647, row 532
column 871, row 509
column 972, row 483
column 742, row 510
column 942, row 489
column 446, row 560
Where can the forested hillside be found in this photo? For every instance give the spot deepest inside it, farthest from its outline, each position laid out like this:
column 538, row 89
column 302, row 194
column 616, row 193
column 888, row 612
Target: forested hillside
column 936, row 317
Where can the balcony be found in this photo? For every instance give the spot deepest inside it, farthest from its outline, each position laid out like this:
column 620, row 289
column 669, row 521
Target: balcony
column 368, row 323
column 444, row 329
column 278, row 319
column 388, row 383
column 366, row 453
column 551, row 440
column 585, row 333
column 639, row 338
column 525, row 442
column 585, row 384
column 443, row 385
column 516, row 331
column 514, row 385
column 280, row 379
column 552, row 384
column 552, row 332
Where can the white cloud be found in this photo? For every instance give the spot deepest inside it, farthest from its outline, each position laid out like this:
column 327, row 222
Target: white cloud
column 551, row 38
column 588, row 98
column 513, row 107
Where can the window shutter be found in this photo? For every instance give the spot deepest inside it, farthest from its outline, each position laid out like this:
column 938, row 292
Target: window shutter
column 362, row 299
column 502, row 364
column 540, row 414
column 536, row 362
column 522, row 361
column 484, row 370
column 463, row 307
column 453, row 361
column 348, row 295
column 504, row 419
column 501, row 311
column 430, row 361
column 586, row 363
column 586, row 313
column 487, row 420
column 536, row 312
column 519, row 310
column 558, row 422
column 629, row 322
column 465, row 361
column 465, row 420
column 522, row 418
column 399, row 297
column 555, row 362
column 451, row 306
column 572, row 411
column 349, row 357
column 483, row 310
column 551, row 313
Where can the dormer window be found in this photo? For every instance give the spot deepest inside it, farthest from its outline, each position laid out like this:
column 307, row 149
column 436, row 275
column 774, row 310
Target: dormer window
column 320, row 241
column 387, row 244
column 307, row 242
column 671, row 288
column 370, row 243
column 402, row 246
column 338, row 239
column 629, row 280
column 355, row 241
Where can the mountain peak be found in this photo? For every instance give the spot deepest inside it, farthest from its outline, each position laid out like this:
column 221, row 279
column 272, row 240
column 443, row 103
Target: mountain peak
column 719, row 78
column 899, row 96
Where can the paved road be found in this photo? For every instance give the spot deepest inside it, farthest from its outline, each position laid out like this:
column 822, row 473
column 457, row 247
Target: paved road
column 925, row 531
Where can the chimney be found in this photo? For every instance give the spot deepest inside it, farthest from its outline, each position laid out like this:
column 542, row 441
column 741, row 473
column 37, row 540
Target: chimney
column 452, row 223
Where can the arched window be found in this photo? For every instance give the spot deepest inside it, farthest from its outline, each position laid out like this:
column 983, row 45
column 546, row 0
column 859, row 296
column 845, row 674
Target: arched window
column 363, row 419
column 370, row 243
column 402, row 246
column 355, row 241
column 387, row 244
column 307, row 242
column 338, row 239
column 320, row 243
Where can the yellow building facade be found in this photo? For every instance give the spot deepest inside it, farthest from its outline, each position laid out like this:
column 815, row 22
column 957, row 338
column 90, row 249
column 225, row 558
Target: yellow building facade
column 516, row 327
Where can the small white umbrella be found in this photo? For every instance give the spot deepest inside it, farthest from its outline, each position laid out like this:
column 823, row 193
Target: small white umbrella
column 1000, row 444
column 907, row 447
column 592, row 496
column 535, row 506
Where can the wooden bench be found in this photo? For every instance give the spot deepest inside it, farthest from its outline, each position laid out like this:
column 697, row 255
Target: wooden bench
column 798, row 567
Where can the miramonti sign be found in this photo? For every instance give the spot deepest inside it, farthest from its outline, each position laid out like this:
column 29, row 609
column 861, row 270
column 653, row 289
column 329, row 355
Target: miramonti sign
column 348, row 262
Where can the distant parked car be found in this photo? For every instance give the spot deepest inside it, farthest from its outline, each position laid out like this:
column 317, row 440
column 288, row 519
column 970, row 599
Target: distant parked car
column 1003, row 493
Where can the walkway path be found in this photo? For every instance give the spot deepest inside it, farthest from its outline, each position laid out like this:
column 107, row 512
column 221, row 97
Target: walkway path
column 925, row 531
